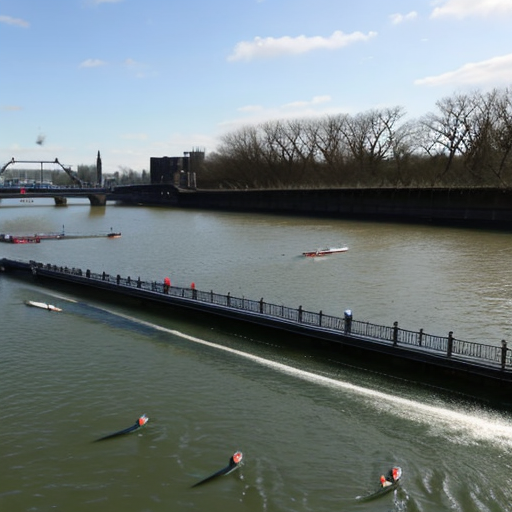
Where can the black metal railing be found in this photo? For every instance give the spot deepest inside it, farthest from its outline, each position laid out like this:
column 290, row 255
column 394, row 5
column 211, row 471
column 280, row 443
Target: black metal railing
column 448, row 346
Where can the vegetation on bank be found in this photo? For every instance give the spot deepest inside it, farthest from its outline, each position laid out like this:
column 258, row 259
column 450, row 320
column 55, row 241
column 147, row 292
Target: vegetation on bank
column 466, row 142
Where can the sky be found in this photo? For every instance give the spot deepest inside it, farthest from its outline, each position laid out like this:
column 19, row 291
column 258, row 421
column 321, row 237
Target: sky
column 135, row 79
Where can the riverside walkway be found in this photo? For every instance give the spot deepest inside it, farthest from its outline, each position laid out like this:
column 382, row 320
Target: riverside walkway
column 477, row 364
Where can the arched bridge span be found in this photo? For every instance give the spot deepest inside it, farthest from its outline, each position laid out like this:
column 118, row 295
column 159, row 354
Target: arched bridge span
column 67, row 170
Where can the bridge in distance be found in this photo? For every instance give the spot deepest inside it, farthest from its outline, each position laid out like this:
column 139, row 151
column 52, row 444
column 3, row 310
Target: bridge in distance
column 37, row 188
column 97, row 195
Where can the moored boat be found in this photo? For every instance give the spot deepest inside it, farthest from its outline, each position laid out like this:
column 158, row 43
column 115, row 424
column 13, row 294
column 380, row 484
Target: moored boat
column 19, row 239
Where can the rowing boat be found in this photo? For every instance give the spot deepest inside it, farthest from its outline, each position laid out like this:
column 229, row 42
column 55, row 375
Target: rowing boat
column 387, row 484
column 42, row 305
column 234, row 462
column 138, row 424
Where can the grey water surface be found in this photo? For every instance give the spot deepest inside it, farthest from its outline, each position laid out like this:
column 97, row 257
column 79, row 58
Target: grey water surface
column 316, row 432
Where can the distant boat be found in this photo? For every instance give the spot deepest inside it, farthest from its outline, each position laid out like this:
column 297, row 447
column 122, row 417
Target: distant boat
column 19, row 239
column 42, row 305
column 324, row 252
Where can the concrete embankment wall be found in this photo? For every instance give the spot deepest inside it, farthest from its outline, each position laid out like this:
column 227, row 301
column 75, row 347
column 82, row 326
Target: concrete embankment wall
column 461, row 205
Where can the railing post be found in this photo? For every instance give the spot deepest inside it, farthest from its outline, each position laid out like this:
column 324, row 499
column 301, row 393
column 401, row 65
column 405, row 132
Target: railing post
column 347, row 315
column 261, row 305
column 503, row 354
column 103, row 276
column 138, row 282
column 420, row 339
column 395, row 333
column 450, row 344
column 320, row 318
column 300, row 314
column 211, row 296
column 118, row 279
column 229, row 299
column 87, row 273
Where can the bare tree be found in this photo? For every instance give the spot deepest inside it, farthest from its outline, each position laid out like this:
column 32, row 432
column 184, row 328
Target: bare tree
column 447, row 132
column 371, row 138
column 331, row 147
column 468, row 141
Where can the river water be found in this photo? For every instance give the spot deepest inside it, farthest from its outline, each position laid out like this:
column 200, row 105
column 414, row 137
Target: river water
column 316, row 432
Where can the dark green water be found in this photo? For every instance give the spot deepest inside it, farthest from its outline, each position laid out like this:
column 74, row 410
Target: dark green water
column 315, row 432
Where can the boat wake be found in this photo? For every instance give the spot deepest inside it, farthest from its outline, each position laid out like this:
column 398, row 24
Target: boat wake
column 463, row 426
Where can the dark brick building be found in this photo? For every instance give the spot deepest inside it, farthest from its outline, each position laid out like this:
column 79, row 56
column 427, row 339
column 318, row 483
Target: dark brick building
column 180, row 171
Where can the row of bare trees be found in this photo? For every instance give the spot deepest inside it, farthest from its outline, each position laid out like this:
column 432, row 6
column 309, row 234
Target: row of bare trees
column 467, row 141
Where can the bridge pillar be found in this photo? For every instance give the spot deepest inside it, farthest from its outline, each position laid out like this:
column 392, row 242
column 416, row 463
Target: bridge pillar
column 98, row 199
column 60, row 201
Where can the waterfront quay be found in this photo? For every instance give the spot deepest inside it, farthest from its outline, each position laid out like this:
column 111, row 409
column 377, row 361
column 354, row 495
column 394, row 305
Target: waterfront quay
column 480, row 207
column 479, row 368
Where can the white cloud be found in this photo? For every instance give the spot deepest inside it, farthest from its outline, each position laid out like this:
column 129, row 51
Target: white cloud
column 467, row 8
column 317, row 106
column 92, row 63
column 398, row 18
column 250, row 108
column 273, row 47
column 316, row 100
column 320, row 99
column 495, row 71
column 12, row 108
column 14, row 21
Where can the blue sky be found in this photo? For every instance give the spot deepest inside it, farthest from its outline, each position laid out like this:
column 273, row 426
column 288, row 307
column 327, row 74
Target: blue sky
column 142, row 78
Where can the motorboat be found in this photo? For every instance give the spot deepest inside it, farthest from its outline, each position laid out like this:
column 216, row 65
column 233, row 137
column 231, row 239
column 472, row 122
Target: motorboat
column 324, row 252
